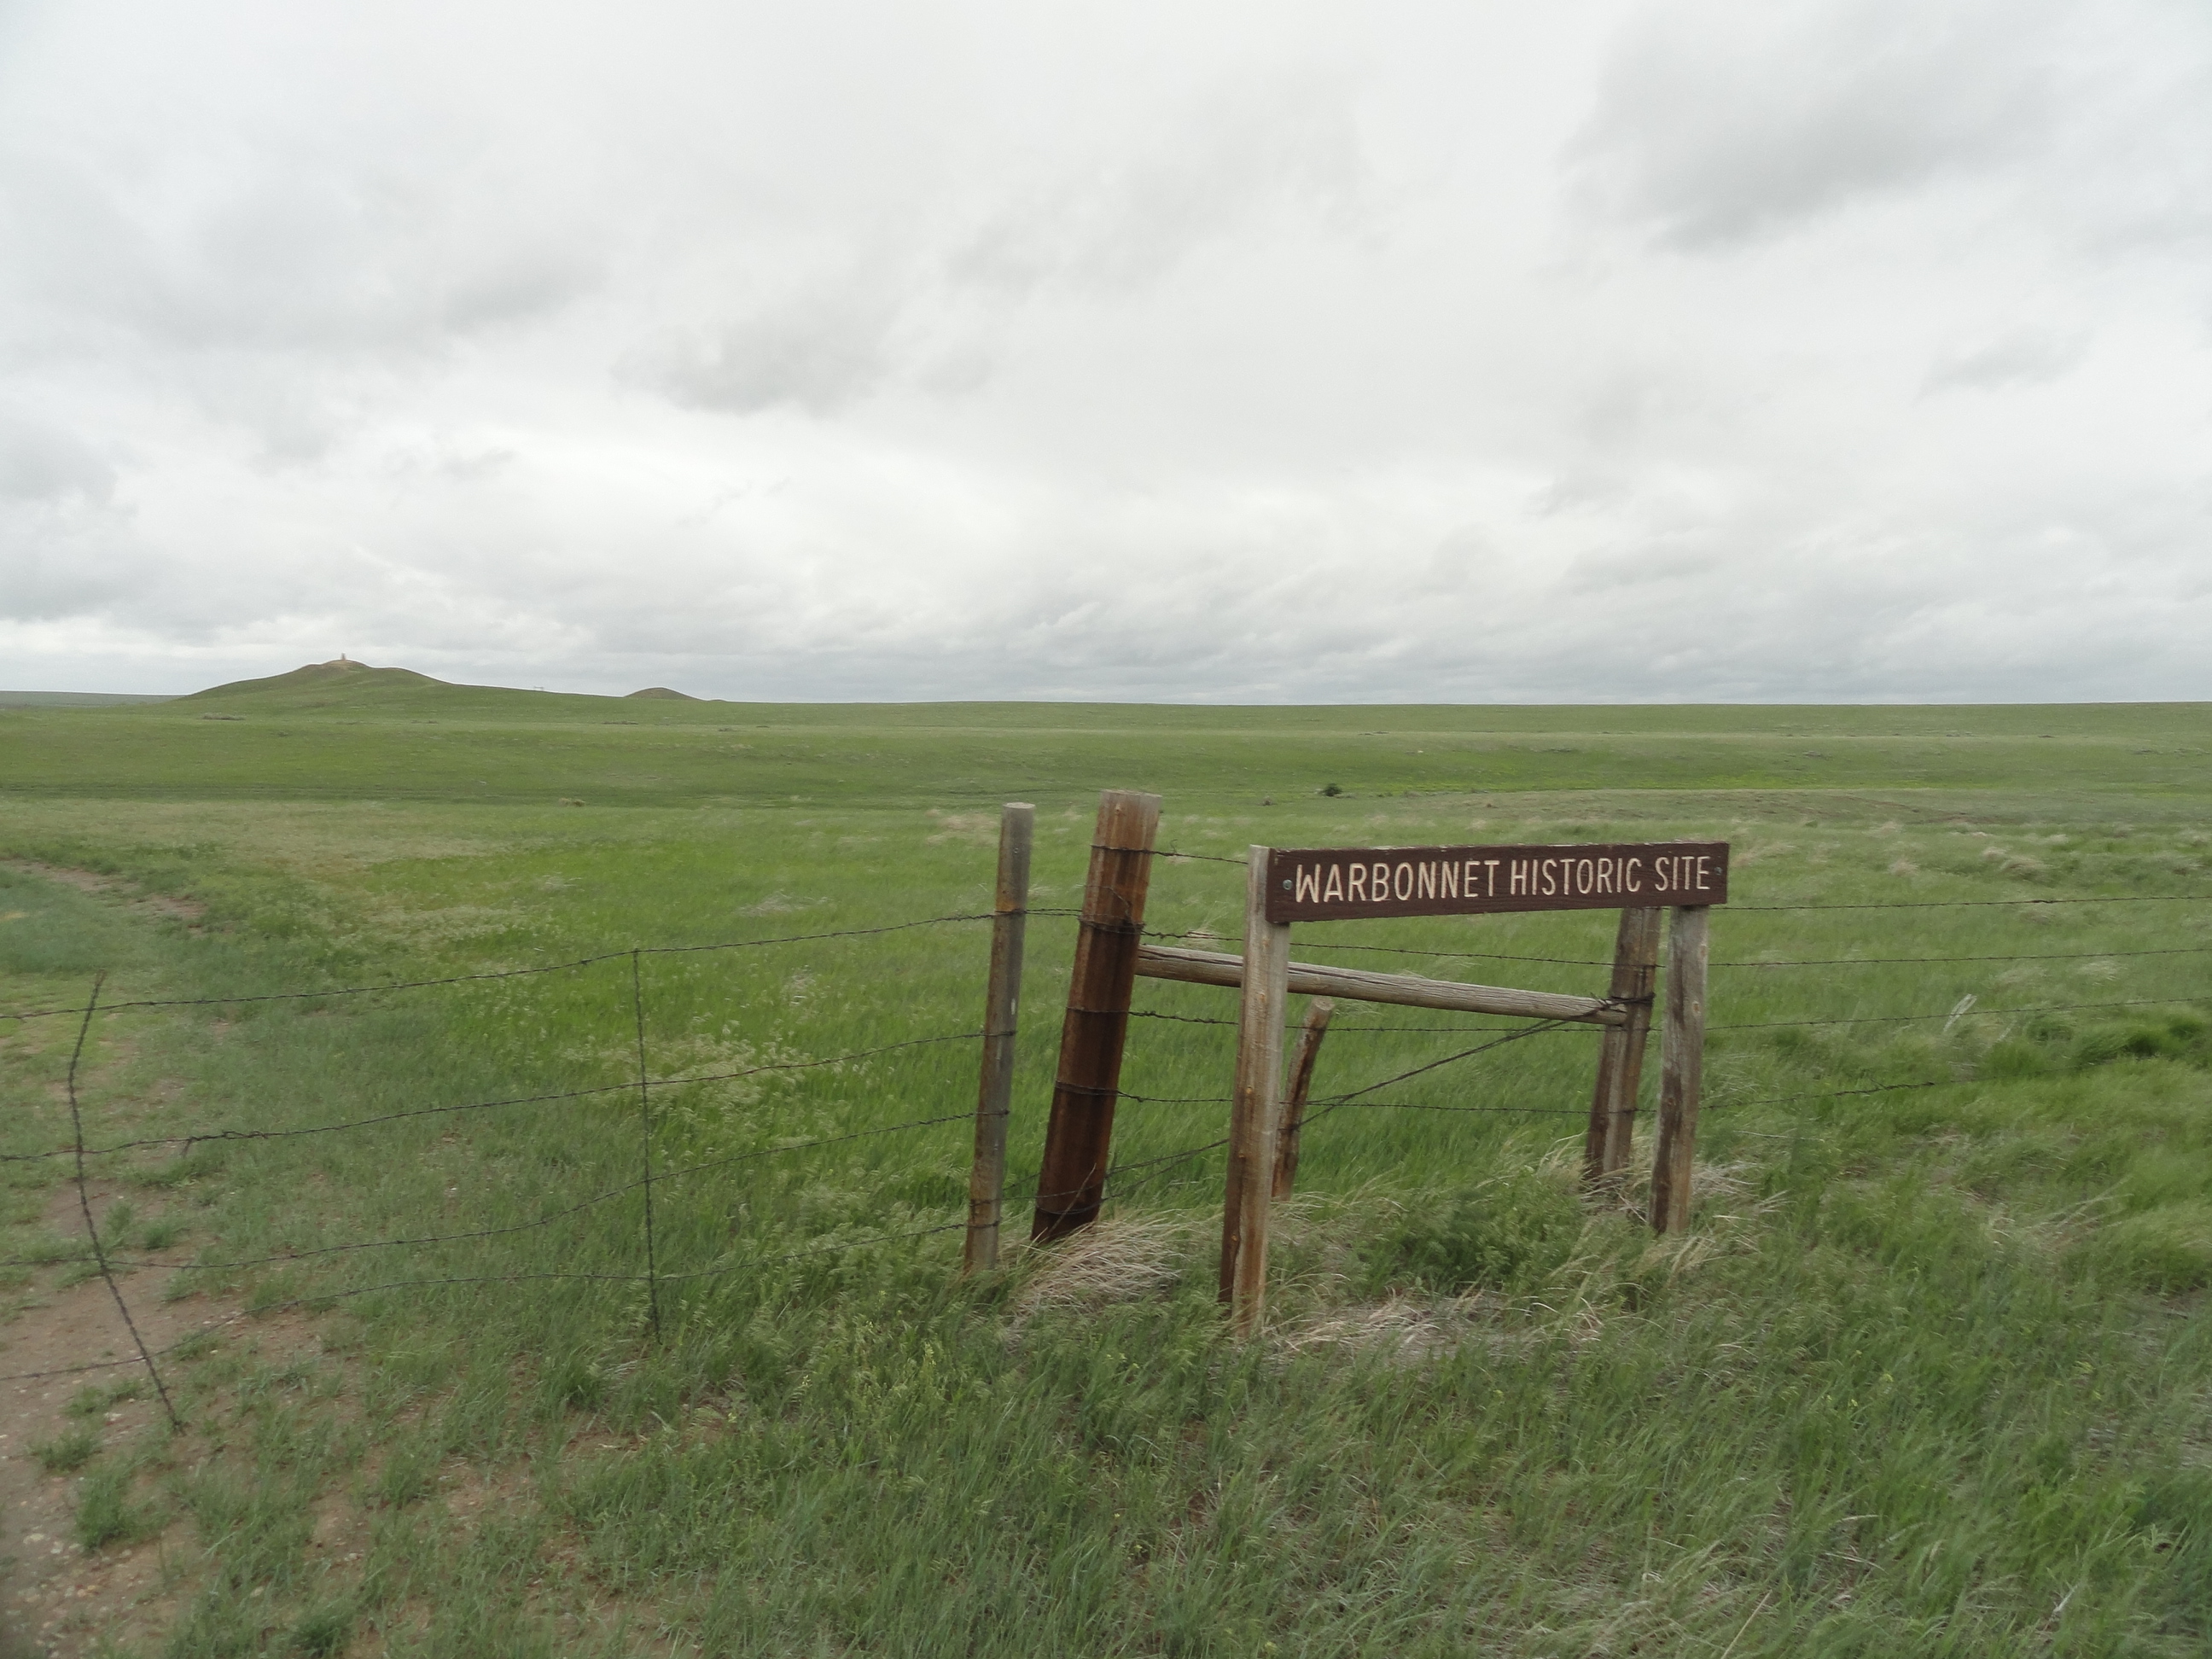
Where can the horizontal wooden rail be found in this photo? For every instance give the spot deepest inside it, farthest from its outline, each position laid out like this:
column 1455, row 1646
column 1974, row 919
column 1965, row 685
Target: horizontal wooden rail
column 1410, row 990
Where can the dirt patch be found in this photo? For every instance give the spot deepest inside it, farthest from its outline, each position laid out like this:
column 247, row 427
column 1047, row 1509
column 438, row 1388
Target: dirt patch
column 69, row 1370
column 115, row 888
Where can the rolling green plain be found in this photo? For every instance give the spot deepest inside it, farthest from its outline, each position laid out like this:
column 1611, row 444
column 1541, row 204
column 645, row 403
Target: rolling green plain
column 1930, row 1373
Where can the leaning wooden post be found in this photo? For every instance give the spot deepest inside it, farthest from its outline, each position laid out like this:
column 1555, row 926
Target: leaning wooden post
column 1310, row 1032
column 1078, row 1140
column 994, row 1097
column 1620, row 1051
column 1255, row 1103
column 1681, row 1069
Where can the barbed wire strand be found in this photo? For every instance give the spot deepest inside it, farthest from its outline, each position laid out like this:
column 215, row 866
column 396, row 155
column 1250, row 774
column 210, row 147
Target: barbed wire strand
column 1440, row 1030
column 661, row 1177
column 518, row 973
column 1838, row 1094
column 1954, row 1014
column 194, row 1136
column 1969, row 904
column 1937, row 962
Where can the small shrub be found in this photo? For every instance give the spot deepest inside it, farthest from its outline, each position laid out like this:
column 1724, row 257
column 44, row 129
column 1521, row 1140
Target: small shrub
column 1331, row 789
column 65, row 1453
column 577, row 1380
column 324, row 1630
column 86, row 1402
column 160, row 1235
column 2171, row 1036
column 45, row 1252
column 405, row 1477
column 2166, row 1250
column 105, row 1515
column 1505, row 1234
column 2012, row 1058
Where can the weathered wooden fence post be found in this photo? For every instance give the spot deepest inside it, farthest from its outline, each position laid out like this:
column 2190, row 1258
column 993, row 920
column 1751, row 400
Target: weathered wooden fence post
column 1311, row 1031
column 1255, row 1103
column 1611, row 1139
column 1681, row 1069
column 1080, row 1136
column 1001, row 1012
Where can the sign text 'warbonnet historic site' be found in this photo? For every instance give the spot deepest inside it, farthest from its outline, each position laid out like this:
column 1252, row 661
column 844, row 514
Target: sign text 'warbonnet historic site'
column 1344, row 883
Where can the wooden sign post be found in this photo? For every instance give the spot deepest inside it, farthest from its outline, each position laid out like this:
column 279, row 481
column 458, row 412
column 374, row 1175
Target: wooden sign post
column 1681, row 1070
column 1255, row 1103
column 1607, row 1147
column 1078, row 1140
column 1360, row 884
column 994, row 1095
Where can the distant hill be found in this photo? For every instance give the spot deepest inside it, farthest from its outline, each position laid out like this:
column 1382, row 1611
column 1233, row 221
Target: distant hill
column 341, row 674
column 351, row 687
column 76, row 699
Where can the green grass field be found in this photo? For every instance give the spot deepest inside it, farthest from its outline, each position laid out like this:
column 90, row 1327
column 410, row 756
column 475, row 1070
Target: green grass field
column 1931, row 1374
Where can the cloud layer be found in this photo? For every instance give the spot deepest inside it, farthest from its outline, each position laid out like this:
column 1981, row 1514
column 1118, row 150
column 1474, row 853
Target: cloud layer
column 1851, row 351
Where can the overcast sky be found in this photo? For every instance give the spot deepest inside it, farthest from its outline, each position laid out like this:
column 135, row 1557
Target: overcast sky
column 1769, row 351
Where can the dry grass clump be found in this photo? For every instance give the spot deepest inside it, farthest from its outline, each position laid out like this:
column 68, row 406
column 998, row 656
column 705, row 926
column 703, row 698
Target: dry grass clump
column 1402, row 1328
column 1612, row 1269
column 1117, row 1260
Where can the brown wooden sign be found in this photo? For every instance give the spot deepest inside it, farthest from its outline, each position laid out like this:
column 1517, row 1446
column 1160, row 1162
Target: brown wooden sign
column 1346, row 883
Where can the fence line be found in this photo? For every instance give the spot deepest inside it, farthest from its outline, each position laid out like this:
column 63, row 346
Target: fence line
column 1972, row 904
column 651, row 1277
column 2023, row 956
column 1954, row 1013
column 1809, row 962
column 194, row 1136
column 84, row 1203
column 528, row 973
column 1118, row 1177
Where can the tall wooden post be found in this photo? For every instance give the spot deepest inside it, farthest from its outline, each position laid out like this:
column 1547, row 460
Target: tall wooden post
column 994, row 1095
column 1311, row 1031
column 1681, row 1069
column 1620, row 1051
column 1078, row 1140
column 1255, row 1104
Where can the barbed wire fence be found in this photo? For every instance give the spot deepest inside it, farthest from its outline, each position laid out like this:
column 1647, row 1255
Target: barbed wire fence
column 1121, row 1179
column 82, row 1155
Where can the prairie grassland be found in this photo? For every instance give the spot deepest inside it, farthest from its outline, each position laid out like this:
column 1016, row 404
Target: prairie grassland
column 1929, row 1375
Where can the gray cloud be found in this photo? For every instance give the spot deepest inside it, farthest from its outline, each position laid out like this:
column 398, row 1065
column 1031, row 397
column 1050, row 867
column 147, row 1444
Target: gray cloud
column 42, row 463
column 1719, row 122
column 821, row 348
column 1119, row 222
column 2025, row 356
